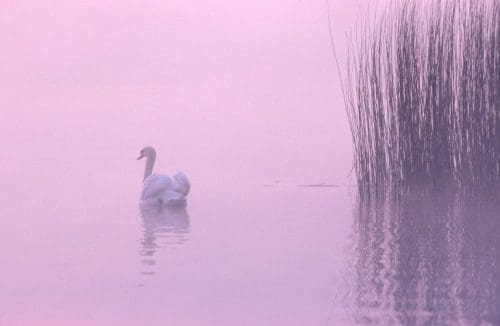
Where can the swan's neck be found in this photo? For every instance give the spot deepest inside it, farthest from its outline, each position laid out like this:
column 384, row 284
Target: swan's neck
column 150, row 162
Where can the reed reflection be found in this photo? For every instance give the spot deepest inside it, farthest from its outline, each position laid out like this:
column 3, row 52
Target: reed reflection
column 428, row 259
column 168, row 227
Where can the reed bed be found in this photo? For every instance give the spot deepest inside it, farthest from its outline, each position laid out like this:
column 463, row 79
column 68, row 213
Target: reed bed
column 423, row 95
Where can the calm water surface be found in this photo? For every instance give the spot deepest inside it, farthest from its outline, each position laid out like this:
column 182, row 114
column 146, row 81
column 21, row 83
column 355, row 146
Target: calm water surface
column 242, row 252
column 253, row 255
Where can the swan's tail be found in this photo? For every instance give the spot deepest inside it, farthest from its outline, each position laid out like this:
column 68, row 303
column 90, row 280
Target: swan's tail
column 182, row 183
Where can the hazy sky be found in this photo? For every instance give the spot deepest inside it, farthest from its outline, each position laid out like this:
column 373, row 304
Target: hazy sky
column 229, row 84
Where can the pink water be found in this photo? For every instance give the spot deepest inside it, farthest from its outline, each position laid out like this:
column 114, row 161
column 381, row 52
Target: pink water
column 243, row 97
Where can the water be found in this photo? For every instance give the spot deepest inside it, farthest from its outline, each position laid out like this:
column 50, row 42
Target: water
column 254, row 255
column 428, row 259
column 279, row 255
column 86, row 87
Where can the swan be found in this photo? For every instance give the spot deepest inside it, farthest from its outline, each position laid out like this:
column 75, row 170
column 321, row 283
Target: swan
column 159, row 189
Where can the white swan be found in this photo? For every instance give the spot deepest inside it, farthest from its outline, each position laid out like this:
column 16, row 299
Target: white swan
column 160, row 189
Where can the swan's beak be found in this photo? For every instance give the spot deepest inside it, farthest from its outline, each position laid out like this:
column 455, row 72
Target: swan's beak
column 140, row 157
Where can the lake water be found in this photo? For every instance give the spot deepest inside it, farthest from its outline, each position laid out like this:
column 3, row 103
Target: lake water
column 240, row 253
column 245, row 100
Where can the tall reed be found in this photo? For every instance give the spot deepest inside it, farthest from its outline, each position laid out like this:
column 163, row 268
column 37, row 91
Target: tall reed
column 423, row 95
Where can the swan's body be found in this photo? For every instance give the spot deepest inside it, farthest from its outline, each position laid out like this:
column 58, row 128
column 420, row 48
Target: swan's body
column 159, row 189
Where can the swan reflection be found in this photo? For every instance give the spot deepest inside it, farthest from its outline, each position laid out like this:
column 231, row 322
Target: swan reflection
column 168, row 227
column 427, row 259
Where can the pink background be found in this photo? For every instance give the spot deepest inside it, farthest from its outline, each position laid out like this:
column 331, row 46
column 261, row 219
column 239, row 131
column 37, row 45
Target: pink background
column 237, row 95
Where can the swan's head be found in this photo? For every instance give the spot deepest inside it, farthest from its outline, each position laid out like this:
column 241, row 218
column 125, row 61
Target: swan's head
column 147, row 152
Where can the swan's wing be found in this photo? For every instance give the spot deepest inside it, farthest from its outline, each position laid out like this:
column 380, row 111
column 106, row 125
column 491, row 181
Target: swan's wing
column 182, row 184
column 155, row 184
column 173, row 198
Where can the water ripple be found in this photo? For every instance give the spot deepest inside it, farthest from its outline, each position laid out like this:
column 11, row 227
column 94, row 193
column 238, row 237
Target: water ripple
column 169, row 227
